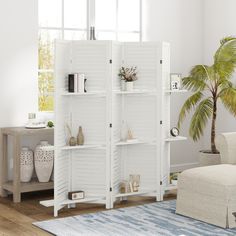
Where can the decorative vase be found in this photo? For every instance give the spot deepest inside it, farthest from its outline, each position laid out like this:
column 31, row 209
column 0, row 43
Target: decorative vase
column 130, row 86
column 92, row 33
column 209, row 159
column 43, row 160
column 80, row 137
column 26, row 164
column 123, row 85
column 72, row 141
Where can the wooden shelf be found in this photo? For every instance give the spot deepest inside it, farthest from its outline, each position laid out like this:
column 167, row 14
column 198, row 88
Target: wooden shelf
column 87, row 199
column 79, row 147
column 125, row 143
column 47, row 203
column 34, row 185
column 50, row 203
column 94, row 93
column 135, row 92
column 176, row 91
column 175, row 139
column 134, row 193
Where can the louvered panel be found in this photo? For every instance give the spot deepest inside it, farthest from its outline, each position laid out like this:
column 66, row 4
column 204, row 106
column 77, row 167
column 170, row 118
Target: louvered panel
column 61, row 164
column 117, row 175
column 166, row 113
column 89, row 172
column 92, row 59
column 141, row 118
column 145, row 57
column 61, row 181
column 142, row 160
column 116, row 118
column 90, row 113
column 117, row 51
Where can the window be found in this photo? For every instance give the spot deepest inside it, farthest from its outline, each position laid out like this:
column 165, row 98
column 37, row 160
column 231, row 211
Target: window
column 71, row 19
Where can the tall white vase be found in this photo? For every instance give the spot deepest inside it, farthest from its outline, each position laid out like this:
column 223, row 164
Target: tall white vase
column 26, row 164
column 43, row 159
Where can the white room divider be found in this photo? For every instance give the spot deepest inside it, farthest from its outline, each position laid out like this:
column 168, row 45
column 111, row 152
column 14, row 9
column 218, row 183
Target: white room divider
column 104, row 161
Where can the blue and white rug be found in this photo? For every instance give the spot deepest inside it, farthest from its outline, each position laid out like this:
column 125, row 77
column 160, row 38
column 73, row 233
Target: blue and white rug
column 151, row 219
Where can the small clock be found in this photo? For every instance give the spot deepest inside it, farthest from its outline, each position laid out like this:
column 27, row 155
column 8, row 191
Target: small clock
column 174, row 132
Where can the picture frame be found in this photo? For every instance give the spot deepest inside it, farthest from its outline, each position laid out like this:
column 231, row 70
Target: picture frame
column 175, row 81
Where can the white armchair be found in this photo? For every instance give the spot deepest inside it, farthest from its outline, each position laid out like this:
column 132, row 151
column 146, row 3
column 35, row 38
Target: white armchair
column 226, row 144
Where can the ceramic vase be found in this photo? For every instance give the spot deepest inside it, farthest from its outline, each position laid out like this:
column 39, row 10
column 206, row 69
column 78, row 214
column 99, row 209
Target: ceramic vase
column 43, row 159
column 129, row 86
column 72, row 141
column 26, row 164
column 80, row 137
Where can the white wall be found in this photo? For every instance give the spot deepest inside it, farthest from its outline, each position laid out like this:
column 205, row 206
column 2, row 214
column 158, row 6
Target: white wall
column 219, row 21
column 179, row 22
column 18, row 61
column 18, row 65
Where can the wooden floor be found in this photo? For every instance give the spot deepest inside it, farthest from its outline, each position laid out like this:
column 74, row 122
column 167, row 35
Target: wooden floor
column 17, row 218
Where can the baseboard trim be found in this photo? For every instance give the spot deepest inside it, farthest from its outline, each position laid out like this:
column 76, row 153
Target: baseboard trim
column 184, row 166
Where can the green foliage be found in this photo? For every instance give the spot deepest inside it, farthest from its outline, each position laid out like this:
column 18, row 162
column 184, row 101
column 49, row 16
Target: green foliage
column 200, row 117
column 189, row 104
column 45, row 79
column 209, row 84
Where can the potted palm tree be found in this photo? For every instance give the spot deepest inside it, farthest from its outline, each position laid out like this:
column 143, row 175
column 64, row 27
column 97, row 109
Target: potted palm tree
column 210, row 84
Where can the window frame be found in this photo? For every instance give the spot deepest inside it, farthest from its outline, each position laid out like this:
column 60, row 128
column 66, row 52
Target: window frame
column 91, row 17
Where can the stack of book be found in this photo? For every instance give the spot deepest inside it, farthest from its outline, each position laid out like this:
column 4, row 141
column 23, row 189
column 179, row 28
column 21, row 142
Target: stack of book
column 76, row 83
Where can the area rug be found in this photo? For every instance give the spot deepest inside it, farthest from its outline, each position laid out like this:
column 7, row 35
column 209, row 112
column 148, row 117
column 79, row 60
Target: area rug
column 157, row 219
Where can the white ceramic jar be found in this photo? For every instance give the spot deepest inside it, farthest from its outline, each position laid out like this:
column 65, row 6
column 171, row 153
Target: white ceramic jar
column 43, row 159
column 26, row 164
column 129, row 86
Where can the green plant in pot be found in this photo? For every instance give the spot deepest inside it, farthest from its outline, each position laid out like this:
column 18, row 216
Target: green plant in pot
column 210, row 85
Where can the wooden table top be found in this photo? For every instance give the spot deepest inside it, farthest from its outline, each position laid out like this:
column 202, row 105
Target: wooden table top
column 25, row 131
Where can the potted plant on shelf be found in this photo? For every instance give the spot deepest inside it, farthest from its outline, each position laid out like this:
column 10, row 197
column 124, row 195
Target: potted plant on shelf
column 210, row 84
column 128, row 76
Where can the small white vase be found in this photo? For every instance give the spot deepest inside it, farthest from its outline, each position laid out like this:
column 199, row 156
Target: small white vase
column 43, row 161
column 129, row 86
column 26, row 164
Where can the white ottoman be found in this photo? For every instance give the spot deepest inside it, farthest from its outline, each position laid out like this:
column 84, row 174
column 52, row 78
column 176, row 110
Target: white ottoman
column 208, row 194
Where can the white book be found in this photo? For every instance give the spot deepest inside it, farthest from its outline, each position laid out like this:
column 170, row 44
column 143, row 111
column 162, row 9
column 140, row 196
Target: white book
column 81, row 83
column 76, row 82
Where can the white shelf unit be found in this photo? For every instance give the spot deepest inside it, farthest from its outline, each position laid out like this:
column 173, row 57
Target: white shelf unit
column 141, row 110
column 105, row 161
column 167, row 139
column 176, row 91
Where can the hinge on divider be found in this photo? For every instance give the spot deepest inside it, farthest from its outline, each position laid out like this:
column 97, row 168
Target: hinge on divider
column 161, row 61
column 161, row 122
column 110, row 125
column 110, row 189
column 160, row 182
column 110, row 61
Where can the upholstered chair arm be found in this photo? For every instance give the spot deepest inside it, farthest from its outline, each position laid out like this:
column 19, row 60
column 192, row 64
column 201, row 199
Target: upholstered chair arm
column 226, row 144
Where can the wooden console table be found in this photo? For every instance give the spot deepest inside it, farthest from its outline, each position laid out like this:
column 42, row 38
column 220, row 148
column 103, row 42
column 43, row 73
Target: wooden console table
column 15, row 186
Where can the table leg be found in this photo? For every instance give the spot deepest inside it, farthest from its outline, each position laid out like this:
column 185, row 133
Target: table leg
column 3, row 164
column 16, row 169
